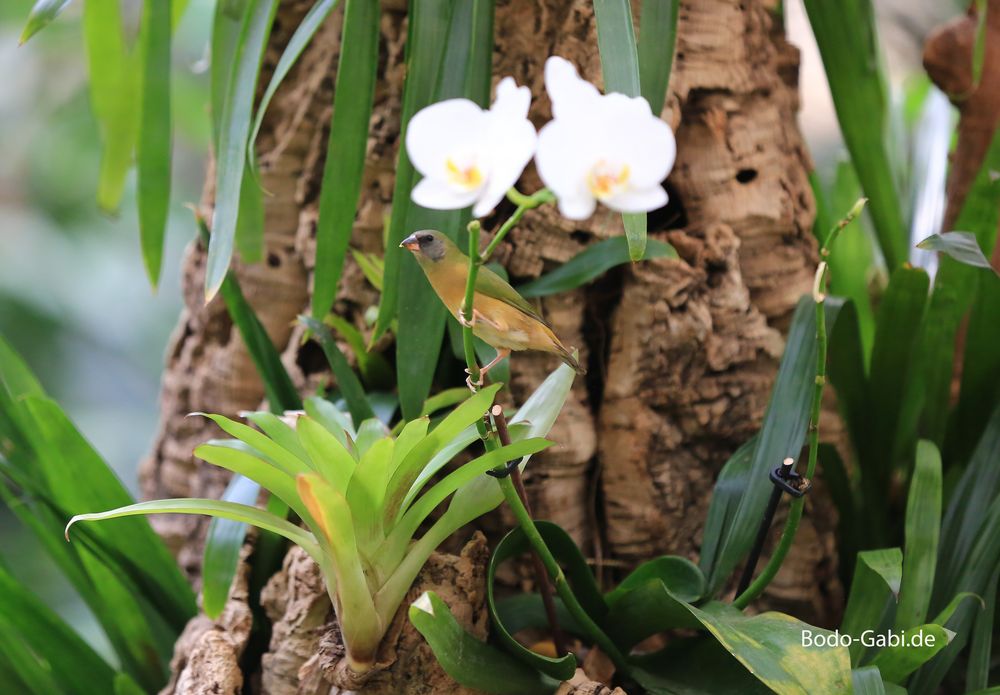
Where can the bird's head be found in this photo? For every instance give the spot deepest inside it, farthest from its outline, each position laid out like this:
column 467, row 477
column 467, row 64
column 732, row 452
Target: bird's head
column 428, row 244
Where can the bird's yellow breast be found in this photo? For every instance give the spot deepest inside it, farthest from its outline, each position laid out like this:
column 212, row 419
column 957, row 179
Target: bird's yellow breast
column 501, row 325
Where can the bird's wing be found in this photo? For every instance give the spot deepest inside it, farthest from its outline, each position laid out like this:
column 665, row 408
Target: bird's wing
column 492, row 285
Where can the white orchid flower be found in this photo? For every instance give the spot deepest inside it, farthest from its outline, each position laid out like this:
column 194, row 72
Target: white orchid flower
column 469, row 156
column 607, row 148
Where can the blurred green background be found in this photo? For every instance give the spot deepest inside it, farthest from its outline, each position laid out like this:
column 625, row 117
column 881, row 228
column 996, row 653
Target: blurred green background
column 74, row 298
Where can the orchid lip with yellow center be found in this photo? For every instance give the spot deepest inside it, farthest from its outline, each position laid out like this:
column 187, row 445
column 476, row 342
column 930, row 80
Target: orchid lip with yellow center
column 466, row 176
column 605, row 180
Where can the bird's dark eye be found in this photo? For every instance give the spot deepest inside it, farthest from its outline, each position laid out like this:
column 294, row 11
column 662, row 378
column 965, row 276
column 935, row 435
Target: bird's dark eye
column 424, row 239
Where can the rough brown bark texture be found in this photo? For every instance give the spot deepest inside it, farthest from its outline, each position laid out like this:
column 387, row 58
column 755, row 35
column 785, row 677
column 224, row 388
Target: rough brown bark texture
column 682, row 353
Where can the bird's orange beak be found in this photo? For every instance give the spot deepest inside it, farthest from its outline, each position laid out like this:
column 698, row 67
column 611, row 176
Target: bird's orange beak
column 410, row 243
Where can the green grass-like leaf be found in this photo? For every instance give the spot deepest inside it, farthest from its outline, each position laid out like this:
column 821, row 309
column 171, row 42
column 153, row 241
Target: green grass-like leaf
column 590, row 264
column 448, row 55
column 781, row 435
column 923, row 524
column 877, row 579
column 657, row 36
column 848, row 44
column 154, row 143
column 114, row 92
column 42, row 13
column 346, row 148
column 222, row 548
column 348, row 382
column 233, row 134
column 216, row 508
column 302, row 37
column 620, row 63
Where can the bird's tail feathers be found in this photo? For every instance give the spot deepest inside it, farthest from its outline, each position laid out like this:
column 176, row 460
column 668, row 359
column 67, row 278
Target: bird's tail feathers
column 571, row 358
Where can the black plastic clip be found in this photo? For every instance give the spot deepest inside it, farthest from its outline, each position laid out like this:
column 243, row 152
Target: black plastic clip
column 787, row 480
column 507, row 470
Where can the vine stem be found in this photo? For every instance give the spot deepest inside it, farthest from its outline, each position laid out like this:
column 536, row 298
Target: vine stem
column 511, row 485
column 797, row 504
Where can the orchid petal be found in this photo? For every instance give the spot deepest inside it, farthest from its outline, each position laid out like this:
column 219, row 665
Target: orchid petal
column 569, row 93
column 512, row 146
column 441, row 129
column 638, row 199
column 440, row 195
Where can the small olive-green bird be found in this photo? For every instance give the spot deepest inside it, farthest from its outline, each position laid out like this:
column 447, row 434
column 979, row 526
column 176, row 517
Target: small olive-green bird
column 500, row 316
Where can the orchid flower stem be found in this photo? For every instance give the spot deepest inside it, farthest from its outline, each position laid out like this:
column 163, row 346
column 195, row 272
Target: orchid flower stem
column 510, row 484
column 797, row 504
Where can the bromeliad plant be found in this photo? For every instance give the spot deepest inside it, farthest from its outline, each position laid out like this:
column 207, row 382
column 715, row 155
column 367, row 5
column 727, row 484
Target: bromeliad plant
column 363, row 494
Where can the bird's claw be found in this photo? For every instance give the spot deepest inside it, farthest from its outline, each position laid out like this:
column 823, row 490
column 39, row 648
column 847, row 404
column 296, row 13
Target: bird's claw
column 473, row 385
column 465, row 323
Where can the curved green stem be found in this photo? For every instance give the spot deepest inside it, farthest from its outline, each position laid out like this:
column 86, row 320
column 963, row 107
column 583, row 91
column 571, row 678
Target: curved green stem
column 507, row 485
column 795, row 509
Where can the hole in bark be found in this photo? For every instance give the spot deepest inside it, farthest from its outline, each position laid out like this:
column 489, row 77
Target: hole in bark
column 670, row 216
column 310, row 359
column 746, row 175
column 602, row 297
column 273, row 260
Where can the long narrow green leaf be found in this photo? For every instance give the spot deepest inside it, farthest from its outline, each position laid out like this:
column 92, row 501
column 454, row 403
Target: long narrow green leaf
column 981, row 651
column 236, row 457
column 874, row 588
column 781, row 434
column 332, row 461
column 867, row 681
column 207, row 507
column 437, row 29
column 114, row 83
column 154, row 145
column 427, row 34
column 359, row 621
column 278, row 387
column 302, row 37
column 42, row 13
column 895, row 394
column 471, row 662
column 345, row 151
column 74, row 664
column 591, row 263
column 923, row 524
column 955, row 287
column 421, row 315
column 848, row 44
column 225, row 535
column 657, row 35
column 538, row 413
column 78, row 479
column 347, row 381
column 428, row 502
column 980, row 385
column 231, row 155
column 897, row 662
column 222, row 548
column 25, row 668
column 620, row 63
column 729, row 488
column 264, row 446
column 447, row 430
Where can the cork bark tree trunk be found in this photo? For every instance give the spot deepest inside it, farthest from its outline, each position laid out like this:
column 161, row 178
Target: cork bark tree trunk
column 682, row 353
